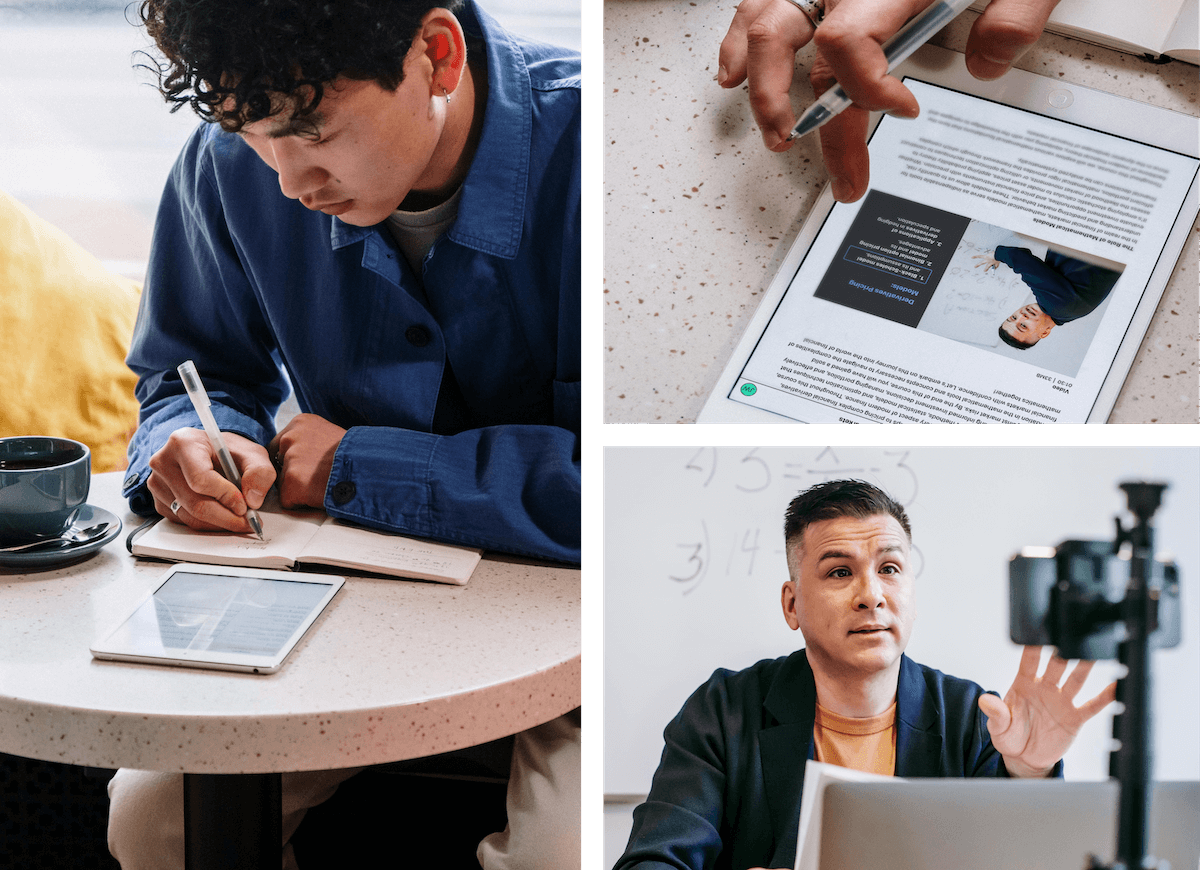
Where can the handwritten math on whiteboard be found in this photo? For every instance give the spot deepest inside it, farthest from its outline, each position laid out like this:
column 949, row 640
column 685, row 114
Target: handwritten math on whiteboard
column 730, row 546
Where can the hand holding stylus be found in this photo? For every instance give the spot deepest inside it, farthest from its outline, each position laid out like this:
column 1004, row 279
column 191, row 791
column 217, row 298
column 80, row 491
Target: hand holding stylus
column 216, row 438
column 765, row 35
column 186, row 483
column 188, row 489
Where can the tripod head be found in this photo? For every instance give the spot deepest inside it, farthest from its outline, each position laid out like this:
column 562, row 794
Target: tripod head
column 1144, row 499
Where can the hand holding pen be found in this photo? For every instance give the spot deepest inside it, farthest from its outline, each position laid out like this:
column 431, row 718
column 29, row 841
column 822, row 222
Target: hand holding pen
column 765, row 36
column 202, row 404
column 187, row 488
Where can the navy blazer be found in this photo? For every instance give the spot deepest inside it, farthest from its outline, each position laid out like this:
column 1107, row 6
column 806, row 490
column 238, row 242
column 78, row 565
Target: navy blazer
column 726, row 795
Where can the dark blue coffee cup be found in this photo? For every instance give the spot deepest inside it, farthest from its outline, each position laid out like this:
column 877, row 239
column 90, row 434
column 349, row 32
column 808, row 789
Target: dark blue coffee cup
column 43, row 481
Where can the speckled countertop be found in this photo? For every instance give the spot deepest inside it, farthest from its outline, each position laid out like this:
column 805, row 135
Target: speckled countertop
column 393, row 669
column 699, row 215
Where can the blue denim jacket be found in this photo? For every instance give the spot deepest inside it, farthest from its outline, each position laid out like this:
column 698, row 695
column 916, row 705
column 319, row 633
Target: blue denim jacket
column 260, row 292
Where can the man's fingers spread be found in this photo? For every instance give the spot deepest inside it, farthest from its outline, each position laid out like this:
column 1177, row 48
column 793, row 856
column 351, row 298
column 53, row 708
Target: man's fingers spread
column 1075, row 680
column 1031, row 657
column 1107, row 695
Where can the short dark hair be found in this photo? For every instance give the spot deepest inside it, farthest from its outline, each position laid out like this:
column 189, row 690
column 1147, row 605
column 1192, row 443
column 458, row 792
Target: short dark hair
column 236, row 62
column 839, row 498
column 1012, row 342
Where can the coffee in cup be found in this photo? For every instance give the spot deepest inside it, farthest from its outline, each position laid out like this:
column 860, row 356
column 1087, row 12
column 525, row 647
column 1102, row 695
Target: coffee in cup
column 43, row 481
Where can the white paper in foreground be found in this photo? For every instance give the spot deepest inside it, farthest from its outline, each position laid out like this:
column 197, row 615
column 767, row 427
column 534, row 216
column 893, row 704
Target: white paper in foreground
column 817, row 775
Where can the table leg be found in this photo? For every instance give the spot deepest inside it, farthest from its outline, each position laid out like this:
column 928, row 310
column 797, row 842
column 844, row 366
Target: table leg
column 232, row 822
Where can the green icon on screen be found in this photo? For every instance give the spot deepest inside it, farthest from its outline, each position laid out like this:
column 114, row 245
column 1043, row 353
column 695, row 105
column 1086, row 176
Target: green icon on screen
column 749, row 389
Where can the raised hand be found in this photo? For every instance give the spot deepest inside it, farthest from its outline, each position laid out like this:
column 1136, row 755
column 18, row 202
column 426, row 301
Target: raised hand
column 1037, row 721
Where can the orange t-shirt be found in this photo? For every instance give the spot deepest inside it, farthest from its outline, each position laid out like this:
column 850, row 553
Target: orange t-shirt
column 868, row 744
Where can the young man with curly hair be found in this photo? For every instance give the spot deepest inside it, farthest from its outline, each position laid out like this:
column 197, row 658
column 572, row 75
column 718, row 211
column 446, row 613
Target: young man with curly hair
column 383, row 216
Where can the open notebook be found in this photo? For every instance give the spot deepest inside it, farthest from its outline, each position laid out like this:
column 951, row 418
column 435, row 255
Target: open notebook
column 294, row 538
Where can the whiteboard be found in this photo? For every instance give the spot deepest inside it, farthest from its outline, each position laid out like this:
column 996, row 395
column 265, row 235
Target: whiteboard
column 694, row 564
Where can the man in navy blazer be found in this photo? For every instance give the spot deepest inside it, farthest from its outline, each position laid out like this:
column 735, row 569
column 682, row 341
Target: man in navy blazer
column 728, row 788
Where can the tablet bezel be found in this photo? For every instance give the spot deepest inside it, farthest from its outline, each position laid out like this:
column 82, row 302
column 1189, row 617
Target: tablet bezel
column 1138, row 122
column 105, row 650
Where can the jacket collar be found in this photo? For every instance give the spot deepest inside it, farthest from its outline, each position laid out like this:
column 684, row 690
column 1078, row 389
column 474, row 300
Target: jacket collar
column 793, row 694
column 918, row 723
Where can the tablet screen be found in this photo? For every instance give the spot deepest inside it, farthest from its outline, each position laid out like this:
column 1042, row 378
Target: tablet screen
column 990, row 274
column 200, row 615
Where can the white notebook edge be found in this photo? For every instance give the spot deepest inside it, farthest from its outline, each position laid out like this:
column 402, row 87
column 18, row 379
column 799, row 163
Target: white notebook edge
column 817, row 775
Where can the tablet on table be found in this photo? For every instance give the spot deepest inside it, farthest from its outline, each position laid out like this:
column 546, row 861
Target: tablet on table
column 210, row 616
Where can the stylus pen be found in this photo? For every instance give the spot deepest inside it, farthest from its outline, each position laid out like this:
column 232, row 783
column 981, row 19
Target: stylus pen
column 201, row 402
column 908, row 39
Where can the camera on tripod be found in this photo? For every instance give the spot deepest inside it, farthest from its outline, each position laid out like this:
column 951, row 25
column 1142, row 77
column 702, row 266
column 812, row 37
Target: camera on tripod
column 1103, row 600
column 1071, row 597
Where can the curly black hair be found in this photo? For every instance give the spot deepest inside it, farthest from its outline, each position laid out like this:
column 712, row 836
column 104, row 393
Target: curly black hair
column 239, row 61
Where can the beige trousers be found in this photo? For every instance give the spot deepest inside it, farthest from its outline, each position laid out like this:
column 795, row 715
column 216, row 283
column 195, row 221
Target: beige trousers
column 145, row 822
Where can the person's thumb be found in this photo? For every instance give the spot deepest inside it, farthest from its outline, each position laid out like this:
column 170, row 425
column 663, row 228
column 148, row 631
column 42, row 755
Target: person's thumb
column 1005, row 30
column 258, row 475
column 998, row 715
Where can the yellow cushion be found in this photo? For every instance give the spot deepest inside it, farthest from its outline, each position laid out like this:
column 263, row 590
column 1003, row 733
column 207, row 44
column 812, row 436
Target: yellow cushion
column 66, row 324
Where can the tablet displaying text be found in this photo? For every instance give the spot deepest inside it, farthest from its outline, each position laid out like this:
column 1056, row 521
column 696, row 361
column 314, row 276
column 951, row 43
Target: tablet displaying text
column 1002, row 268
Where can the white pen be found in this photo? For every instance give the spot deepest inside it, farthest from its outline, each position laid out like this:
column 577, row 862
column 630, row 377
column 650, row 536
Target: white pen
column 908, row 39
column 201, row 402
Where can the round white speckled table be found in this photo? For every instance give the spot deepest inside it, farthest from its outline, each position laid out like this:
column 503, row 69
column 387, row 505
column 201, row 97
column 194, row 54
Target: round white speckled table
column 392, row 670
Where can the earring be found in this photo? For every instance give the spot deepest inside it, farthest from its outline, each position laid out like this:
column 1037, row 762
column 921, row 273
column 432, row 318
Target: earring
column 433, row 102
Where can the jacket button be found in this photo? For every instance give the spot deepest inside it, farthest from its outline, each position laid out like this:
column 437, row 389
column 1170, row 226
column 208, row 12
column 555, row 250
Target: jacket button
column 342, row 492
column 418, row 336
column 132, row 481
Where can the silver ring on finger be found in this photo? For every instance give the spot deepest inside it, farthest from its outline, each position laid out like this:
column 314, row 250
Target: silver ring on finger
column 175, row 506
column 814, row 10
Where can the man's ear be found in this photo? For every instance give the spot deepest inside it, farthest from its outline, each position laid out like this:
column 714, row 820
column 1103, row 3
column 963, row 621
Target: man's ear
column 789, row 603
column 445, row 48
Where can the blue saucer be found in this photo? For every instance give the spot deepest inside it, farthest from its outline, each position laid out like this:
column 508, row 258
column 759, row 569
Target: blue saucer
column 87, row 515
